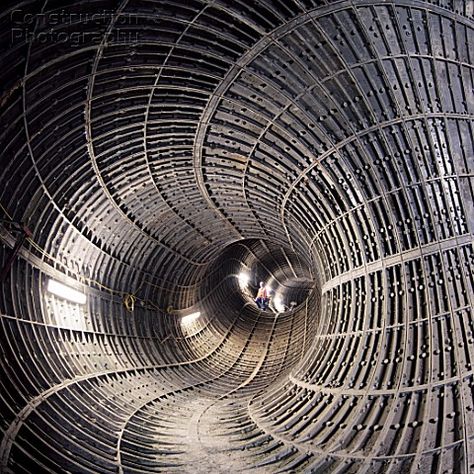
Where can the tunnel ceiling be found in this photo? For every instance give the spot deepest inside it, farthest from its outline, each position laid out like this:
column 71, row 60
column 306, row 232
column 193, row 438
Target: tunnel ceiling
column 156, row 150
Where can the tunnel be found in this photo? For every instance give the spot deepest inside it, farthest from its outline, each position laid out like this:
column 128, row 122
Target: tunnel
column 160, row 159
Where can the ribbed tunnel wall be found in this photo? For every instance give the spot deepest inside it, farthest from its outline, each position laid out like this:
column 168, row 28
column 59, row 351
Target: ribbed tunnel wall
column 156, row 149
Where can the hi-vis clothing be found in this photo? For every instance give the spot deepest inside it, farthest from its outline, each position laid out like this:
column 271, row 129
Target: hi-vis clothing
column 262, row 293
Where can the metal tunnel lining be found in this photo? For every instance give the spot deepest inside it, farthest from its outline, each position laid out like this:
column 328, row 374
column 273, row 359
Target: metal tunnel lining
column 154, row 149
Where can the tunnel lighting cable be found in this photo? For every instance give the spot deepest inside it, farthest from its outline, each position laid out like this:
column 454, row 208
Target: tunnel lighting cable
column 129, row 302
column 243, row 279
column 66, row 292
column 6, row 212
column 54, row 259
column 90, row 281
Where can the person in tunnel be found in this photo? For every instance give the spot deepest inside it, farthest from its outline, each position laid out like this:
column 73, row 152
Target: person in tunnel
column 262, row 298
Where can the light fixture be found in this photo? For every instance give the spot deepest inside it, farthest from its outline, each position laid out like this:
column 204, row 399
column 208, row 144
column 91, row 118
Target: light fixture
column 66, row 292
column 244, row 279
column 190, row 318
column 278, row 303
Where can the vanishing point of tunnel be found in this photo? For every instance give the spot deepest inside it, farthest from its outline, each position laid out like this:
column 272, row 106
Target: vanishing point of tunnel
column 163, row 162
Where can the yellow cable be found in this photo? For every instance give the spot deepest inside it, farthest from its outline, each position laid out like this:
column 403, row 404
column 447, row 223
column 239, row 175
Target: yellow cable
column 130, row 298
column 6, row 212
column 129, row 302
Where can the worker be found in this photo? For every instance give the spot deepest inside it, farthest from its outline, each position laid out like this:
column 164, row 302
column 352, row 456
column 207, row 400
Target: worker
column 262, row 297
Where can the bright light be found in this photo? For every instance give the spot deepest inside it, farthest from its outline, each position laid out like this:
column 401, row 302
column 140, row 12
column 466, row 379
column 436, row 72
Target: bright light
column 244, row 279
column 66, row 292
column 190, row 318
column 278, row 303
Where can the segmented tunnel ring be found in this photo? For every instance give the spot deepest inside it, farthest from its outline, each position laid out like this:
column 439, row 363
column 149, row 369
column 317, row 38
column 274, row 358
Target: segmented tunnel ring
column 236, row 274
column 156, row 150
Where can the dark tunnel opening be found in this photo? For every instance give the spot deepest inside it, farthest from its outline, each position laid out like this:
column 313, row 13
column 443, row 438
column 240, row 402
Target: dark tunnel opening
column 238, row 271
column 160, row 159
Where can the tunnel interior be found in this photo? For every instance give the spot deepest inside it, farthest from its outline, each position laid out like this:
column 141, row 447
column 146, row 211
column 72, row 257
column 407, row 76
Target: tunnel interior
column 160, row 159
column 245, row 265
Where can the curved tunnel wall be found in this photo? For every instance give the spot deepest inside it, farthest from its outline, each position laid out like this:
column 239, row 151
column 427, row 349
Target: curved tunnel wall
column 140, row 143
